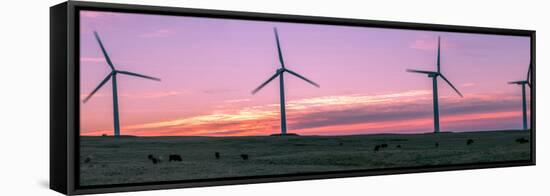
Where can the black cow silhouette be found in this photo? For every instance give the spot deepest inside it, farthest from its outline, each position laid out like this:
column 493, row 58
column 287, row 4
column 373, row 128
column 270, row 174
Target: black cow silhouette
column 376, row 148
column 88, row 159
column 522, row 140
column 174, row 157
column 154, row 159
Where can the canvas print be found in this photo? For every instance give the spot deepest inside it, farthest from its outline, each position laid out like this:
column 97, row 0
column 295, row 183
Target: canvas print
column 175, row 98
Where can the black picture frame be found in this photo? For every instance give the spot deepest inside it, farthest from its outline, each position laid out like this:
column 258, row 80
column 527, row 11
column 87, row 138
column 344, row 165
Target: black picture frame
column 64, row 96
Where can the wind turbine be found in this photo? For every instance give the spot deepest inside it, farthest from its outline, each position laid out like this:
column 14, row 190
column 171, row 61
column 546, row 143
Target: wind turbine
column 280, row 73
column 522, row 83
column 113, row 77
column 434, row 75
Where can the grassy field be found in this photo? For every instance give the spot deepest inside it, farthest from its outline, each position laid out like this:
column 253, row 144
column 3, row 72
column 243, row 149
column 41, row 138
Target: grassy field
column 124, row 160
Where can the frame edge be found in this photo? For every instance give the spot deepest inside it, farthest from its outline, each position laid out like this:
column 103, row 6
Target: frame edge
column 70, row 104
column 58, row 99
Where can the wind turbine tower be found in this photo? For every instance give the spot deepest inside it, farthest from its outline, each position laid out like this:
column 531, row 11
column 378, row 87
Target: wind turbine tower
column 434, row 75
column 280, row 73
column 522, row 83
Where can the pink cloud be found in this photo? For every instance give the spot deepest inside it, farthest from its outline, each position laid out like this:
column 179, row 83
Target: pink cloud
column 158, row 33
column 238, row 100
column 469, row 84
column 91, row 59
column 153, row 95
column 430, row 43
column 159, row 94
column 94, row 14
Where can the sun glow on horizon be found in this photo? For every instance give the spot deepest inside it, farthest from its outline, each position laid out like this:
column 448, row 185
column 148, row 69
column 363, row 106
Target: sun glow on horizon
column 264, row 119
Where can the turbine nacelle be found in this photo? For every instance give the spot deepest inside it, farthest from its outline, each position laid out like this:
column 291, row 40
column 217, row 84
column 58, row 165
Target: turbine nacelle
column 282, row 69
column 524, row 82
column 433, row 75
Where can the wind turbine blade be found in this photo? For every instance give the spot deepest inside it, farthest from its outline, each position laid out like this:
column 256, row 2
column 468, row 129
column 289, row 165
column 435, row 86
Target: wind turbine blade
column 451, row 84
column 104, row 51
column 265, row 83
column 303, row 78
column 421, row 71
column 517, row 82
column 138, row 75
column 529, row 76
column 439, row 54
column 97, row 88
column 279, row 47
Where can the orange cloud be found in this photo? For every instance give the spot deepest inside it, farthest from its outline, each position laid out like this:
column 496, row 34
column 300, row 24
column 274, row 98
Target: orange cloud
column 329, row 115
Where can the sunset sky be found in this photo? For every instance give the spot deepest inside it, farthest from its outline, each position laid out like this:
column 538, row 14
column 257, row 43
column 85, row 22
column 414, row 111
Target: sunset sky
column 209, row 67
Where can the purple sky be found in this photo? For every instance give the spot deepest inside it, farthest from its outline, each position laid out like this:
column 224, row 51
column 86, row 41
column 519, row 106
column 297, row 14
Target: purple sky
column 209, row 67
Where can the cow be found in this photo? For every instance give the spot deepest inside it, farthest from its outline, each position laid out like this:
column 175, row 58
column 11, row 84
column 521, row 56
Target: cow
column 376, row 148
column 437, row 144
column 217, row 155
column 88, row 159
column 398, row 146
column 244, row 156
column 470, row 141
column 384, row 145
column 174, row 157
column 522, row 140
column 154, row 159
column 341, row 144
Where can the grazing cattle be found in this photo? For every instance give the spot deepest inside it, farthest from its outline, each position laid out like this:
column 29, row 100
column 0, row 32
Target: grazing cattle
column 217, row 154
column 384, row 145
column 470, row 141
column 522, row 140
column 376, row 148
column 341, row 144
column 437, row 144
column 154, row 159
column 244, row 156
column 398, row 146
column 174, row 157
column 88, row 159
